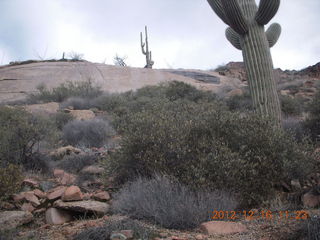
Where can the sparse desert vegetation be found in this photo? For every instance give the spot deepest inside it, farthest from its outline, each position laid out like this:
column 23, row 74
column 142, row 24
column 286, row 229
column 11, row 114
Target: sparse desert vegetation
column 181, row 152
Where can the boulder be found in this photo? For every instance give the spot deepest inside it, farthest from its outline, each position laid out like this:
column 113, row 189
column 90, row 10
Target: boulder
column 56, row 193
column 57, row 216
column 72, row 193
column 89, row 206
column 82, row 114
column 222, row 227
column 311, row 200
column 235, row 92
column 13, row 219
column 101, row 196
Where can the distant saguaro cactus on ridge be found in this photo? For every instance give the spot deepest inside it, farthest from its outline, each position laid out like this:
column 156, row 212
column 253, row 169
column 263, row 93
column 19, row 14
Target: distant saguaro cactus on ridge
column 246, row 33
column 146, row 51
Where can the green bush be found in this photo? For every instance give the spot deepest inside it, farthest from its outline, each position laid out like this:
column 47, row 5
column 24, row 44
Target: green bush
column 312, row 123
column 10, row 180
column 20, row 134
column 169, row 203
column 206, row 146
column 75, row 163
column 85, row 89
column 290, row 106
column 240, row 102
column 61, row 119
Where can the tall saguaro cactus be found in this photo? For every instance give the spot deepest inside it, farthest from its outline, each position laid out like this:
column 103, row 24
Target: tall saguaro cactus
column 246, row 33
column 146, row 51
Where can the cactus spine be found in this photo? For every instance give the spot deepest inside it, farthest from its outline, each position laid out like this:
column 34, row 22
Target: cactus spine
column 246, row 33
column 146, row 50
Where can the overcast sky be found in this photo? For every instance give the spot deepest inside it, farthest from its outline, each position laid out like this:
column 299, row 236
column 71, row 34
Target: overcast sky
column 182, row 33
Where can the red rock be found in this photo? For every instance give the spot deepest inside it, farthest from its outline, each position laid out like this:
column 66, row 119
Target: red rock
column 27, row 207
column 7, row 206
column 222, row 227
column 72, row 193
column 18, row 197
column 56, row 192
column 101, row 196
column 39, row 193
column 30, row 182
column 57, row 216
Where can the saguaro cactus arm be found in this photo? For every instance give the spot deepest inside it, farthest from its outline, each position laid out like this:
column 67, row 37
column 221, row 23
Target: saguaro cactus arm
column 218, row 9
column 233, row 37
column 142, row 44
column 235, row 16
column 273, row 34
column 267, row 10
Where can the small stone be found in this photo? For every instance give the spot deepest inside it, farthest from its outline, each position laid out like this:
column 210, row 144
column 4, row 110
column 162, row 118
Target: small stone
column 56, row 192
column 68, row 179
column 222, row 227
column 72, row 193
column 57, row 216
column 127, row 233
column 58, row 173
column 27, row 207
column 30, row 197
column 310, row 200
column 101, row 196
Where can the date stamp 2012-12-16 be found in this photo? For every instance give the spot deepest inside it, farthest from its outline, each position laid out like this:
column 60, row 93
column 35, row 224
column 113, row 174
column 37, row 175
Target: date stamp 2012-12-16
column 258, row 214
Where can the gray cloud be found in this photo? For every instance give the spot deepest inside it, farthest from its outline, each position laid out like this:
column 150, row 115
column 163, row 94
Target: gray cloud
column 184, row 34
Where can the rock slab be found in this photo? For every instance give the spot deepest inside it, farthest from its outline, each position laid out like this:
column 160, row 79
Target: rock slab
column 89, row 206
column 13, row 219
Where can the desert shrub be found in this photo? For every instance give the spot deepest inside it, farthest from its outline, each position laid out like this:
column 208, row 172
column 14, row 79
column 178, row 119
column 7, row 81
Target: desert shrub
column 61, row 119
column 88, row 133
column 295, row 127
column 85, row 89
column 10, row 180
column 290, row 106
column 20, row 134
column 205, row 146
column 104, row 232
column 169, row 203
column 314, row 228
column 76, row 162
column 39, row 162
column 312, row 123
column 240, row 102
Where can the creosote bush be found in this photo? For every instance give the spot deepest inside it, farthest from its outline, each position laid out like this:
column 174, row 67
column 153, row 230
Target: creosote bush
column 312, row 123
column 76, row 162
column 205, row 146
column 87, row 133
column 168, row 203
column 20, row 134
column 290, row 106
column 84, row 89
column 10, row 180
